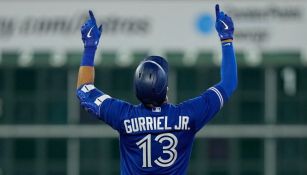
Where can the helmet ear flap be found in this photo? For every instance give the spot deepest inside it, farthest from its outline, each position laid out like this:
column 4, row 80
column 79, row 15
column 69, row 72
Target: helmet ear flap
column 150, row 83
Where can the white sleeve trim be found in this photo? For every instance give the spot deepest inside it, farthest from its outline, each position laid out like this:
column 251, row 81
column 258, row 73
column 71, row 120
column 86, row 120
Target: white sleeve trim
column 87, row 88
column 101, row 99
column 218, row 93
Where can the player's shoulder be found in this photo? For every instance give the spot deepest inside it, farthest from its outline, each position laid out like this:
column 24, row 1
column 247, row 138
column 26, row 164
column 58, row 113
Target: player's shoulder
column 118, row 105
column 195, row 104
column 189, row 102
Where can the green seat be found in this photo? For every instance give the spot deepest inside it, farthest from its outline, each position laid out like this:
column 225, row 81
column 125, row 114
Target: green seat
column 251, row 79
column 252, row 111
column 55, row 80
column 251, row 149
column 138, row 56
column 41, row 58
column 281, row 58
column 289, row 110
column 301, row 76
column 22, row 77
column 25, row 149
column 25, row 112
column 56, row 150
column 175, row 58
column 2, row 80
column 56, row 112
column 123, row 79
column 108, row 58
column 291, row 156
column 186, row 81
column 207, row 58
column 241, row 58
column 204, row 58
column 10, row 58
column 73, row 58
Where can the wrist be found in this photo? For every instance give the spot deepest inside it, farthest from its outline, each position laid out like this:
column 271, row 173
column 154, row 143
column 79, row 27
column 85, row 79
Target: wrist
column 227, row 40
column 226, row 36
column 88, row 56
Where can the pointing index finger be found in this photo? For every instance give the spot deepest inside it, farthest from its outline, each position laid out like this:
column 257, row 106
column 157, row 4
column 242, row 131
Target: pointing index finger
column 217, row 10
column 92, row 16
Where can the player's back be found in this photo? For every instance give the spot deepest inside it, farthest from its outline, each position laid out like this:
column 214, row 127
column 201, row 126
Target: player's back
column 156, row 140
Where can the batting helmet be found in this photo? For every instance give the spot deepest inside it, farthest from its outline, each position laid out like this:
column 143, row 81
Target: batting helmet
column 151, row 81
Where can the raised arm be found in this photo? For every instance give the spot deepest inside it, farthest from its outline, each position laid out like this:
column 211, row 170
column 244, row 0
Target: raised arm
column 94, row 101
column 90, row 37
column 225, row 29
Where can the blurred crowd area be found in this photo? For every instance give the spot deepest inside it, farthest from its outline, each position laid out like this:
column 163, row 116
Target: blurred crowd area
column 40, row 95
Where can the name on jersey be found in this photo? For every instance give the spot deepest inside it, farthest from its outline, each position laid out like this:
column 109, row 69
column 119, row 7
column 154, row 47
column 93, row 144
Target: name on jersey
column 155, row 123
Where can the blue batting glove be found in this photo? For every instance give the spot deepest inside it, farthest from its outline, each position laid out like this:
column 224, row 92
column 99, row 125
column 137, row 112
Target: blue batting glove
column 224, row 25
column 90, row 32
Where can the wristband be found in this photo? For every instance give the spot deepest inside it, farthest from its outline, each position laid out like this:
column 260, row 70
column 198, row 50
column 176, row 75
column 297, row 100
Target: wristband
column 227, row 40
column 88, row 56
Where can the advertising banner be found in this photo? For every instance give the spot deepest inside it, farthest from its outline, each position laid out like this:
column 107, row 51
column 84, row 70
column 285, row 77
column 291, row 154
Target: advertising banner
column 152, row 25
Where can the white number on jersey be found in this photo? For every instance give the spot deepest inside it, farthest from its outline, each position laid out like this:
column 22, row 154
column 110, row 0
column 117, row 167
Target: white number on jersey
column 145, row 145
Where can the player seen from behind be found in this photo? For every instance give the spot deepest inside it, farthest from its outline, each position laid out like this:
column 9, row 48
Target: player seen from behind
column 156, row 137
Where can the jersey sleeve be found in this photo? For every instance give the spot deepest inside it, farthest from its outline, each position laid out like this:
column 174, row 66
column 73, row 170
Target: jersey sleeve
column 102, row 106
column 204, row 107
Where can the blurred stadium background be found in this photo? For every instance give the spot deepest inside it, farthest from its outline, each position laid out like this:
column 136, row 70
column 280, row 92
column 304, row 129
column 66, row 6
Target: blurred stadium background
column 261, row 131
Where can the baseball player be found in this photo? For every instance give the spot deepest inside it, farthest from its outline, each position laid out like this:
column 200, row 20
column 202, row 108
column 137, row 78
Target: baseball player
column 156, row 136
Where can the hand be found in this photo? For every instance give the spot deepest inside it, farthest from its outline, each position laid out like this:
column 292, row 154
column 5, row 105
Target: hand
column 90, row 32
column 224, row 25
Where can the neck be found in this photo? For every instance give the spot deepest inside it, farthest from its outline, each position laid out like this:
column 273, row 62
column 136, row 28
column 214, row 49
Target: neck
column 152, row 106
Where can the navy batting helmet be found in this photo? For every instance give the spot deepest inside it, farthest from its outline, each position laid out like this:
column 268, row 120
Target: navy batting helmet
column 151, row 80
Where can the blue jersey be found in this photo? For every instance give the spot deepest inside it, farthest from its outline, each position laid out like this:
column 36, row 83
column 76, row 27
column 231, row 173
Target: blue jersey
column 154, row 140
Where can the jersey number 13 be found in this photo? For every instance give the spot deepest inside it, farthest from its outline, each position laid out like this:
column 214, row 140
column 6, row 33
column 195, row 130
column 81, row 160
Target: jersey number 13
column 145, row 145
